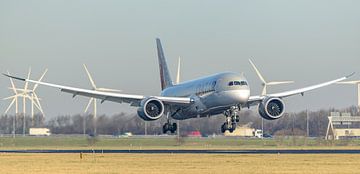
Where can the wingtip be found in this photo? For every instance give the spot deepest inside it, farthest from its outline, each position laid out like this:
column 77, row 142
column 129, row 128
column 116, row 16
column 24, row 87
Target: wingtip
column 348, row 76
column 13, row 77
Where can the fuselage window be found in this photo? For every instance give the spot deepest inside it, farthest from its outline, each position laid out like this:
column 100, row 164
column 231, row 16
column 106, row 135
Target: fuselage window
column 243, row 83
column 237, row 83
column 231, row 83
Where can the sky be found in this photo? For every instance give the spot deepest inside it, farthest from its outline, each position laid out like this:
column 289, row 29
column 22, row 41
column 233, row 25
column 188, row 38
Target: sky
column 308, row 41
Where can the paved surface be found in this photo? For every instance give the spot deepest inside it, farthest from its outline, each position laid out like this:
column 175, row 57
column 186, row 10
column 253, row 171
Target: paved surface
column 191, row 151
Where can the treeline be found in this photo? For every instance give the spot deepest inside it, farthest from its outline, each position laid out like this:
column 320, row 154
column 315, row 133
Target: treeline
column 289, row 124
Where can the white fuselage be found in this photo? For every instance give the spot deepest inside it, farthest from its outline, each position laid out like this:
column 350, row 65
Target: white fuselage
column 212, row 95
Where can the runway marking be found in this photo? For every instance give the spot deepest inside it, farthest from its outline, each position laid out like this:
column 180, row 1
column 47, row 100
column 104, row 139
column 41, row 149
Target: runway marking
column 324, row 151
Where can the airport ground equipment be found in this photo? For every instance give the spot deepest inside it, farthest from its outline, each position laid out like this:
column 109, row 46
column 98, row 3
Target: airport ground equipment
column 39, row 132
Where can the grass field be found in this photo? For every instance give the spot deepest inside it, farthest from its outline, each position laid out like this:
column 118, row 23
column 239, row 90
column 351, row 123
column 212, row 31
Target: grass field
column 179, row 163
column 68, row 142
column 175, row 163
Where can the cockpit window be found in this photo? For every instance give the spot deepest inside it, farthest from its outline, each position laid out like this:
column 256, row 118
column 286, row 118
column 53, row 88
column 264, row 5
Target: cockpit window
column 243, row 83
column 238, row 83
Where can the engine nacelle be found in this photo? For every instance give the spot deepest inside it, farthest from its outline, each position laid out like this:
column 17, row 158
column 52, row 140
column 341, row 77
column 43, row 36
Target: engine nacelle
column 151, row 109
column 271, row 108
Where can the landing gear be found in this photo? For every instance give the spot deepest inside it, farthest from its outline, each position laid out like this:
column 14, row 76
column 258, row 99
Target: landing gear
column 169, row 127
column 172, row 127
column 232, row 118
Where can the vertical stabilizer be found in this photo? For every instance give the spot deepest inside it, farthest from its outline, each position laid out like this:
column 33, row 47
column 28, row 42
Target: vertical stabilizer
column 165, row 77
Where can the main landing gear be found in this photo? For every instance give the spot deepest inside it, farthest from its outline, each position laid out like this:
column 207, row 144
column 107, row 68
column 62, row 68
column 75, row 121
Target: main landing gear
column 232, row 118
column 169, row 127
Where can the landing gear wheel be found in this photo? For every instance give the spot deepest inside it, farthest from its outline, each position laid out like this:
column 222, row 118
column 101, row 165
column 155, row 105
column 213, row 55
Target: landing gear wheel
column 173, row 128
column 233, row 127
column 165, row 128
column 231, row 130
column 231, row 119
column 237, row 119
column 169, row 127
column 223, row 128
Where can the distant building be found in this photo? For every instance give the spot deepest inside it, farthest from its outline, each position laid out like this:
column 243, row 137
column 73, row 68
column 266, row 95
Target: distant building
column 245, row 131
column 341, row 126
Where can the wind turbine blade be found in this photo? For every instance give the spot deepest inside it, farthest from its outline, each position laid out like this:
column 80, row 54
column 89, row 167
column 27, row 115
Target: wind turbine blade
column 12, row 103
column 42, row 76
column 21, row 90
column 38, row 103
column 38, row 107
column 12, row 84
column 349, row 82
column 107, row 90
column 11, row 97
column 28, row 77
column 88, row 106
column 90, row 77
column 178, row 71
column 280, row 83
column 257, row 72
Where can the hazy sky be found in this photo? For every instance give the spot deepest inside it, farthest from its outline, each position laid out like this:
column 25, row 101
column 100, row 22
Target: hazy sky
column 306, row 40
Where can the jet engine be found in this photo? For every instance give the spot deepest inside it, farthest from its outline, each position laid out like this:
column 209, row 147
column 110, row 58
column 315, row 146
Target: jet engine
column 151, row 109
column 271, row 108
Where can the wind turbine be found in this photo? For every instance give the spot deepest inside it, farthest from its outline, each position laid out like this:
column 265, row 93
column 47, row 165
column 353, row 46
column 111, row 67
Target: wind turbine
column 356, row 82
column 14, row 101
column 264, row 83
column 94, row 100
column 25, row 94
column 177, row 82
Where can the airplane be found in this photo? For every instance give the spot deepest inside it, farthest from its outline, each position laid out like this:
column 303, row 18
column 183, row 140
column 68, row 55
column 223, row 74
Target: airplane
column 224, row 93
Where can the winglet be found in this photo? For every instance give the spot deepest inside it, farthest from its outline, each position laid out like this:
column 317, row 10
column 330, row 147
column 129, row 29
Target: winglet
column 13, row 77
column 348, row 76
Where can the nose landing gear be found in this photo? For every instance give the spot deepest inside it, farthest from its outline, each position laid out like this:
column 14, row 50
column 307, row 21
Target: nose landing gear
column 232, row 118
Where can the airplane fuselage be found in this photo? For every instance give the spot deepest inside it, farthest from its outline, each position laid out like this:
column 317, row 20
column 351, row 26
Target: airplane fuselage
column 212, row 95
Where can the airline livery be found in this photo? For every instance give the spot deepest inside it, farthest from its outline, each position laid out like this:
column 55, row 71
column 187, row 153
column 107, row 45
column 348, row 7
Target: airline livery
column 224, row 93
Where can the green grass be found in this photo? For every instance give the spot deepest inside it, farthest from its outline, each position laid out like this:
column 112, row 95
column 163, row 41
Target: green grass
column 66, row 142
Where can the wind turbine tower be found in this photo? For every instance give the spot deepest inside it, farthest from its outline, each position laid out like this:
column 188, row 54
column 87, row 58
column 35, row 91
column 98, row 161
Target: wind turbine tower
column 177, row 82
column 356, row 82
column 94, row 100
column 14, row 101
column 25, row 94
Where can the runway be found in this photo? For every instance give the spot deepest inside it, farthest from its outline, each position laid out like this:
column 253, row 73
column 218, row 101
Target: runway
column 190, row 151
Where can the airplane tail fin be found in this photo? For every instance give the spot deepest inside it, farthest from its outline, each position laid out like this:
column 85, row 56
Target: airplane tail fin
column 165, row 77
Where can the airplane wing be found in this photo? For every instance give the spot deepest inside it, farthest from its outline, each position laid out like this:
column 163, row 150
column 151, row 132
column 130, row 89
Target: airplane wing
column 256, row 99
column 133, row 100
